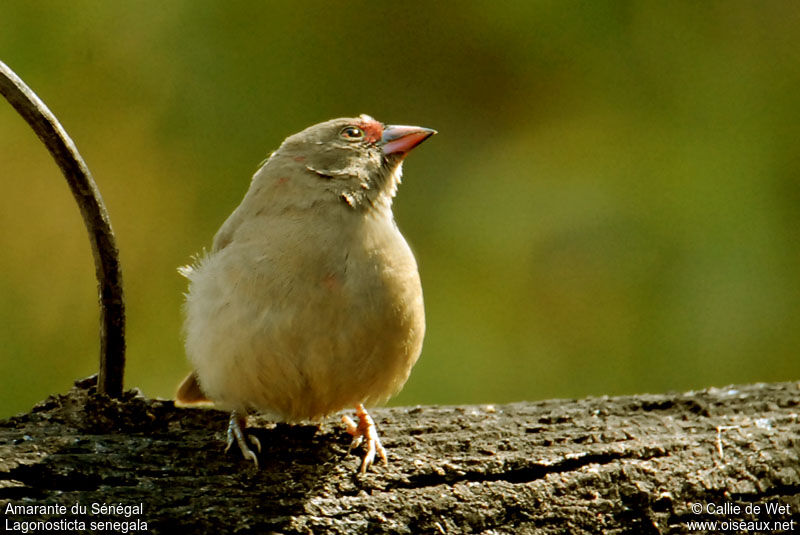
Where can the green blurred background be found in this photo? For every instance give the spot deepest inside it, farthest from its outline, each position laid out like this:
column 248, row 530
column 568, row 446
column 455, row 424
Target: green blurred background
column 612, row 204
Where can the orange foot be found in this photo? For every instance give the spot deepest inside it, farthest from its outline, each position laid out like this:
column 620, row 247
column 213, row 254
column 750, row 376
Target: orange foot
column 365, row 430
column 236, row 427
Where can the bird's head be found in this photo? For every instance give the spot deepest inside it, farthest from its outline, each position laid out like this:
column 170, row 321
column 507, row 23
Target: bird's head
column 357, row 159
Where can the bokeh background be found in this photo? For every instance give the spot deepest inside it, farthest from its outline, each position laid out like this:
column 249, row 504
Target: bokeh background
column 612, row 204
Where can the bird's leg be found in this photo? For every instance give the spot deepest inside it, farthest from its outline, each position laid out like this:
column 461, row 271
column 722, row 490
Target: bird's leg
column 365, row 430
column 236, row 427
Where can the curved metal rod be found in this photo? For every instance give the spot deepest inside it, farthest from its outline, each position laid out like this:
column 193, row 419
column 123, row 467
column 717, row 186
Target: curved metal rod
column 95, row 217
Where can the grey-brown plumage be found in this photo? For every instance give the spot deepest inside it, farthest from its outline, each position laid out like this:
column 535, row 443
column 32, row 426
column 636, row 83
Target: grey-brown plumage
column 310, row 300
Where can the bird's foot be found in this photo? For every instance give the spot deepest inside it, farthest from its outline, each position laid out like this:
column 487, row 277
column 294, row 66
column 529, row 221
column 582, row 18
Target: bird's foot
column 365, row 430
column 236, row 427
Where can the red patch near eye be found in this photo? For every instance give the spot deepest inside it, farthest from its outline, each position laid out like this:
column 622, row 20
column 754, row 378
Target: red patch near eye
column 373, row 130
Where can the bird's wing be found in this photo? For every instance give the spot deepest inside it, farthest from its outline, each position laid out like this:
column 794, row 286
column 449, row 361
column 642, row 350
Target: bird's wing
column 224, row 235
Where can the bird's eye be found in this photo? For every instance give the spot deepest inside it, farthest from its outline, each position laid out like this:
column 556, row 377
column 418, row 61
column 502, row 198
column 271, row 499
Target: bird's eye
column 352, row 133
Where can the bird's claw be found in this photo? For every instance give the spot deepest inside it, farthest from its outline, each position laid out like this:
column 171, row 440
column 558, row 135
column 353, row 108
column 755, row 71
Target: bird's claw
column 365, row 430
column 236, row 432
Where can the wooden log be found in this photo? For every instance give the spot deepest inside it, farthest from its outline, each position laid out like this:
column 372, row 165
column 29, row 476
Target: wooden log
column 633, row 464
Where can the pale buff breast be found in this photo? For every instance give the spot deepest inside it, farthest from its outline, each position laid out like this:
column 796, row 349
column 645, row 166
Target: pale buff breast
column 302, row 326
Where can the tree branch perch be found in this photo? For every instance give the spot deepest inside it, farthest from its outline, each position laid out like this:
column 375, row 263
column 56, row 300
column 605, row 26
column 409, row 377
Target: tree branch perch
column 636, row 464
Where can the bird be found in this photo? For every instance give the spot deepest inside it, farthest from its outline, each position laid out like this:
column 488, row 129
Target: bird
column 309, row 301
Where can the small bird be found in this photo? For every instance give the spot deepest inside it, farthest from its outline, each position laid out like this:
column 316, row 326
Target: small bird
column 309, row 301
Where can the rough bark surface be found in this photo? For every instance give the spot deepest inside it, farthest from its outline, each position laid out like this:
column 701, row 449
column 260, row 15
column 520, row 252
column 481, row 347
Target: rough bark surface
column 636, row 464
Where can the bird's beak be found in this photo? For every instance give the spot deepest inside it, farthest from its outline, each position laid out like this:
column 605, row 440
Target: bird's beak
column 401, row 139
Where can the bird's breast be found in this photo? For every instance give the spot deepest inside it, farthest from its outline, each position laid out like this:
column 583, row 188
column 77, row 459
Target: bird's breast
column 305, row 321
